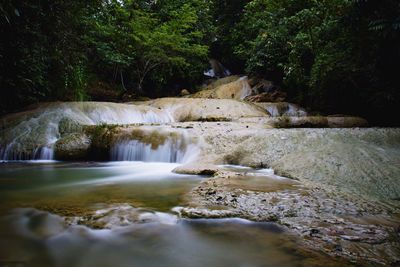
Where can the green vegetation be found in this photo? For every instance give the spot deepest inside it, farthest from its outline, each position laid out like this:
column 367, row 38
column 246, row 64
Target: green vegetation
column 335, row 56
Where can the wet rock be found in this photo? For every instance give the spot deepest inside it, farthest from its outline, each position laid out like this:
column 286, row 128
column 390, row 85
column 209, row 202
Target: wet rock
column 197, row 169
column 114, row 216
column 68, row 126
column 304, row 210
column 74, row 146
column 204, row 213
column 184, row 92
column 238, row 89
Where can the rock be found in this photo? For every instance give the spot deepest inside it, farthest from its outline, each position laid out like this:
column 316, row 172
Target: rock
column 305, row 210
column 197, row 169
column 68, row 125
column 276, row 96
column 346, row 122
column 73, row 146
column 195, row 109
column 115, row 216
column 214, row 83
column 184, row 92
column 237, row 89
column 317, row 122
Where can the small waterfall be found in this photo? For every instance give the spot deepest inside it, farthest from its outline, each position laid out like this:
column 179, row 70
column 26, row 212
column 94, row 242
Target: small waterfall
column 31, row 135
column 217, row 70
column 284, row 109
column 273, row 110
column 246, row 88
column 296, row 111
column 173, row 151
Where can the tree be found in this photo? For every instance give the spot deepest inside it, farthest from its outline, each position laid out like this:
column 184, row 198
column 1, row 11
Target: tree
column 329, row 55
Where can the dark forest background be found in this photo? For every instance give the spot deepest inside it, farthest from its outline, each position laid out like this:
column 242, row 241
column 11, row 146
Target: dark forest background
column 333, row 56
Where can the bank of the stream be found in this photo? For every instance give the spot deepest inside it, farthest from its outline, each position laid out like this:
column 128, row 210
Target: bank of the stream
column 339, row 197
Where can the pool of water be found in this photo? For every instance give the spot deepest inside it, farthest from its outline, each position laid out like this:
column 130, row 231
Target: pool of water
column 77, row 187
column 35, row 199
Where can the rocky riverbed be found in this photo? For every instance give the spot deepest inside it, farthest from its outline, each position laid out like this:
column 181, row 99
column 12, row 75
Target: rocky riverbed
column 337, row 188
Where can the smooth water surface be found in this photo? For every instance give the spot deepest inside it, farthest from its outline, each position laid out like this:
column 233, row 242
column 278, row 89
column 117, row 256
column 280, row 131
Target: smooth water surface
column 78, row 186
column 37, row 197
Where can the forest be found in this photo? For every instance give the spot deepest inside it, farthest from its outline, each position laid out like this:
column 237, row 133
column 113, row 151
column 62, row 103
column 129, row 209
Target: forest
column 332, row 56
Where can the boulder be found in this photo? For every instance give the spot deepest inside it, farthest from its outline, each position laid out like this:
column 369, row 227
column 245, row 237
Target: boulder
column 239, row 88
column 73, row 146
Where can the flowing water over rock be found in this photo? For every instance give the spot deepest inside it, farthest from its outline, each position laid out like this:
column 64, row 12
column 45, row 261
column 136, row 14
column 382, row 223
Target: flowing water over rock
column 344, row 175
column 32, row 135
column 119, row 214
column 282, row 109
column 170, row 151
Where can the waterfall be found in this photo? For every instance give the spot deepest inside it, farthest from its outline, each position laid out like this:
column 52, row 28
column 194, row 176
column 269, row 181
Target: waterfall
column 173, row 151
column 217, row 70
column 284, row 109
column 246, row 88
column 31, row 135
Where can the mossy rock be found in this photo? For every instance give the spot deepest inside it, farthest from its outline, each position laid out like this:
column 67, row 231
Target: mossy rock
column 67, row 126
column 102, row 137
column 73, row 147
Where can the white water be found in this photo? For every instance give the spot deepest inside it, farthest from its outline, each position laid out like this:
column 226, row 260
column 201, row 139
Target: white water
column 173, row 151
column 246, row 88
column 290, row 110
column 32, row 136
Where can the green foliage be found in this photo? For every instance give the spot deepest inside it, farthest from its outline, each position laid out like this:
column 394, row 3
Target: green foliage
column 334, row 56
column 151, row 43
column 51, row 49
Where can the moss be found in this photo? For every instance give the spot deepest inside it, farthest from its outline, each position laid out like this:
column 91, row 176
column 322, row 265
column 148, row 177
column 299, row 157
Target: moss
column 102, row 138
column 72, row 147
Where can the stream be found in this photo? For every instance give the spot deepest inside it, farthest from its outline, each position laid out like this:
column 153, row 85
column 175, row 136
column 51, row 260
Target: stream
column 121, row 214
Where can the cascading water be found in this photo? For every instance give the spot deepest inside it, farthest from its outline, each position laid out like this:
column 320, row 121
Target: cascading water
column 285, row 109
column 32, row 135
column 246, row 88
column 172, row 150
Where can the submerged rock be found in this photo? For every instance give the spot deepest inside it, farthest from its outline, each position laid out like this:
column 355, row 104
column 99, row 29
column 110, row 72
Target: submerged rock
column 115, row 216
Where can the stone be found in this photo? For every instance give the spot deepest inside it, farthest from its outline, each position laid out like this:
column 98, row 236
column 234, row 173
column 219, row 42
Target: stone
column 184, row 92
column 73, row 146
column 196, row 109
column 237, row 89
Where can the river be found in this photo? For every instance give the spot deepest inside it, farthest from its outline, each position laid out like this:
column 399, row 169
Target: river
column 121, row 214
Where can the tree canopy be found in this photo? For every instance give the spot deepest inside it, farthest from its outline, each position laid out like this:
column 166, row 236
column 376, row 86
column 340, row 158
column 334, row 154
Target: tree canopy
column 336, row 56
